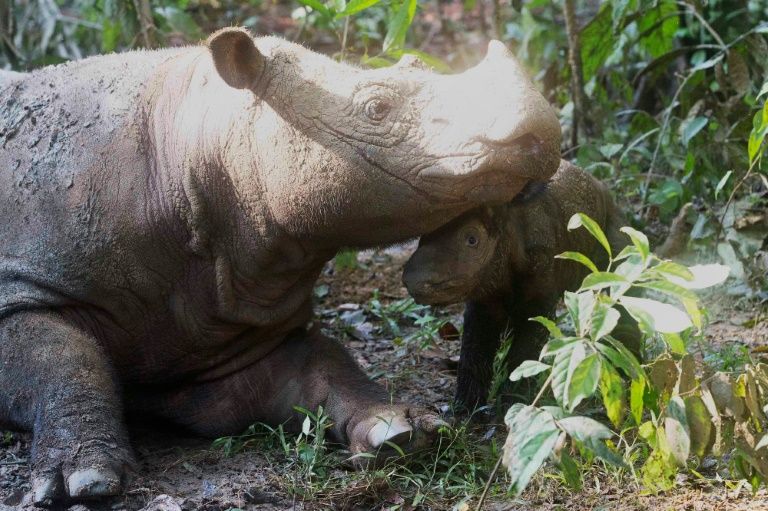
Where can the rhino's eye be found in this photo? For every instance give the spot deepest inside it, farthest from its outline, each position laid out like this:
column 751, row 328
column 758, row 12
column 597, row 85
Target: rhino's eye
column 472, row 240
column 377, row 109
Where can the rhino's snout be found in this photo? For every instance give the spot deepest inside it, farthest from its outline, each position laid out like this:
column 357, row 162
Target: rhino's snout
column 431, row 288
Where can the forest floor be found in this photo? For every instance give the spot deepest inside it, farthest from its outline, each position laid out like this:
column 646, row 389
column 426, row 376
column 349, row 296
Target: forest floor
column 269, row 471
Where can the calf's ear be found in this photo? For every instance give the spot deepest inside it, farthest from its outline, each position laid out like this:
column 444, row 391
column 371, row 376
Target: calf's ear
column 236, row 57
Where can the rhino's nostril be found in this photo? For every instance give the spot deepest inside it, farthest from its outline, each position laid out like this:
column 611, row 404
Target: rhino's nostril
column 528, row 143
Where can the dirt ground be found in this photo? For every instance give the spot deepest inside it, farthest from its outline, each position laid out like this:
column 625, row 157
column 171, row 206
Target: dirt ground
column 180, row 472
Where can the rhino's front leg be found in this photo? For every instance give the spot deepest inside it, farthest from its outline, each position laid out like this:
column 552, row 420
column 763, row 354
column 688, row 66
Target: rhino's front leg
column 307, row 370
column 56, row 381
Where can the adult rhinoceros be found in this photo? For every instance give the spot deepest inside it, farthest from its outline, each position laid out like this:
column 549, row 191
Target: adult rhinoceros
column 165, row 214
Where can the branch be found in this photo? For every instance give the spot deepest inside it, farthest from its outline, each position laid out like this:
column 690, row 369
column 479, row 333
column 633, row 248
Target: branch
column 146, row 24
column 577, row 76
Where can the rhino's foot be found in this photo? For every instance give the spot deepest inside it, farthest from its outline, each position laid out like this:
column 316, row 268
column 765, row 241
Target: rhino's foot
column 384, row 431
column 77, row 470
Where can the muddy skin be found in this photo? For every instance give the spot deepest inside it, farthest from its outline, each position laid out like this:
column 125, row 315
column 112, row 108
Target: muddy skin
column 165, row 216
column 500, row 261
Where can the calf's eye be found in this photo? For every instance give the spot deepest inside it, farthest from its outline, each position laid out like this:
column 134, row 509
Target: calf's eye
column 472, row 241
column 377, row 109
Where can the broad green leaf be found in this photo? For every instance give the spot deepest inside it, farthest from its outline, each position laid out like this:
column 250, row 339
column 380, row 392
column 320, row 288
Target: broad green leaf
column 181, row 21
column 571, row 471
column 592, row 435
column 692, row 308
column 604, row 320
column 316, row 6
column 722, row 182
column 579, row 258
column 531, row 438
column 639, row 240
column 618, row 360
column 564, row 364
column 759, row 131
column 555, row 346
column 631, row 268
column 583, row 381
column 647, row 431
column 582, row 220
column 627, row 251
column 674, row 270
column 601, row 280
column 432, row 61
column 620, row 8
column 675, row 343
column 375, row 62
column 677, row 431
column 707, row 64
column 355, row 6
column 580, row 306
column 658, row 472
column 665, row 318
column 690, row 127
column 527, row 369
column 398, row 26
column 110, row 35
column 703, row 276
column 658, row 25
column 597, row 42
column 610, row 150
column 638, row 371
column 550, row 325
column 670, row 288
column 763, row 90
column 636, row 392
column 612, row 390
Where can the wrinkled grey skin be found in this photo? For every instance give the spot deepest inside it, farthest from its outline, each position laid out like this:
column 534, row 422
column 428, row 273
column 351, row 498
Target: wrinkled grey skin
column 6, row 77
column 501, row 262
column 165, row 216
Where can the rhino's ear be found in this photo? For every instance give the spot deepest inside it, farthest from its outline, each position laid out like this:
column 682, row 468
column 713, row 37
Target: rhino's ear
column 236, row 57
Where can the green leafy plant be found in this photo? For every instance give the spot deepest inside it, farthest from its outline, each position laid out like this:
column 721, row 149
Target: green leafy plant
column 668, row 410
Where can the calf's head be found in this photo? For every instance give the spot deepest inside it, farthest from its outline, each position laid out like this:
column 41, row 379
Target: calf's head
column 457, row 262
column 377, row 156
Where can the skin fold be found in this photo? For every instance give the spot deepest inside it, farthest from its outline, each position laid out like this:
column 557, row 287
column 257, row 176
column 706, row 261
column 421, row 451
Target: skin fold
column 501, row 261
column 165, row 215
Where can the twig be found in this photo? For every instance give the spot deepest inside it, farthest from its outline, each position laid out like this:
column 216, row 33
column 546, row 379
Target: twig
column 495, row 470
column 704, row 23
column 497, row 19
column 732, row 194
column 344, row 38
column 147, row 26
column 15, row 462
column 664, row 126
column 577, row 77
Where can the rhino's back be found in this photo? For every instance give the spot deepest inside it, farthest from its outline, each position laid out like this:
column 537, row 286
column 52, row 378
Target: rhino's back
column 71, row 157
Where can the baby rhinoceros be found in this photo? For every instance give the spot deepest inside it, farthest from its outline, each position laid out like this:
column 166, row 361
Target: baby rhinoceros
column 501, row 261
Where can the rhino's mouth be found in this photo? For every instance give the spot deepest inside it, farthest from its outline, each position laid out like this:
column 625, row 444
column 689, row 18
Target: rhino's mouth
column 496, row 172
column 443, row 292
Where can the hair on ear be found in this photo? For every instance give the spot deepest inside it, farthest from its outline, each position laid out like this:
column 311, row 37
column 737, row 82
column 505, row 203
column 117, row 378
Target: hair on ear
column 236, row 57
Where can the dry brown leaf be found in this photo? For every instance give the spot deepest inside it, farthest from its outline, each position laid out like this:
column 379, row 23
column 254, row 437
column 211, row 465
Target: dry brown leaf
column 716, row 443
column 700, row 424
column 738, row 73
column 686, row 382
column 663, row 374
column 722, row 387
